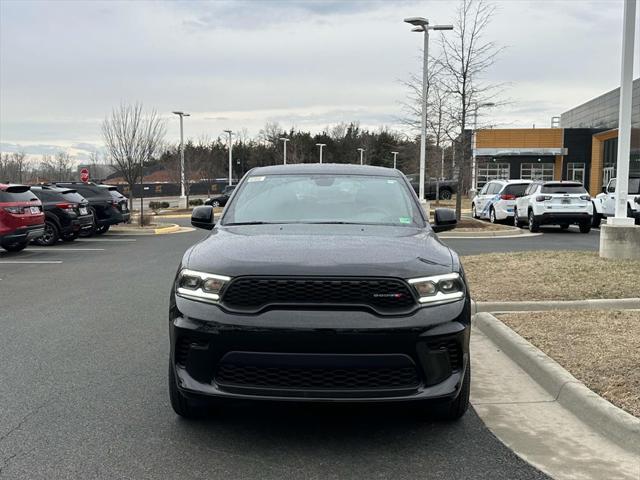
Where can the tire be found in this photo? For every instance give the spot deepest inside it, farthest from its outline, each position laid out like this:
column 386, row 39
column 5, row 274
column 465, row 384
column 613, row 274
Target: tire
column 100, row 229
column 585, row 227
column 516, row 219
column 596, row 220
column 564, row 226
column 51, row 235
column 492, row 216
column 215, row 203
column 445, row 194
column 474, row 213
column 457, row 408
column 183, row 406
column 533, row 225
column 15, row 247
column 69, row 237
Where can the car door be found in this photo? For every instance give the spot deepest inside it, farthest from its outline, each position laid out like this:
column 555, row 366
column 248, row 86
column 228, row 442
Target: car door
column 609, row 202
column 522, row 203
column 489, row 198
column 481, row 198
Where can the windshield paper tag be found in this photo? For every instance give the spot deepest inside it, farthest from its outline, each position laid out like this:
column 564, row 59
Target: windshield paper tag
column 256, row 179
column 405, row 219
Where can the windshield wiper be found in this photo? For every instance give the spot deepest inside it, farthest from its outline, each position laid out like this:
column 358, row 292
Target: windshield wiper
column 233, row 224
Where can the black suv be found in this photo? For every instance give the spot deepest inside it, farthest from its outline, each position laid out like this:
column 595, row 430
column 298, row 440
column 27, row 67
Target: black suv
column 106, row 210
column 122, row 201
column 66, row 214
column 310, row 289
column 222, row 199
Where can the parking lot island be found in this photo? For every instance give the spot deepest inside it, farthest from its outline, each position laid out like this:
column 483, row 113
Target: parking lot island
column 620, row 241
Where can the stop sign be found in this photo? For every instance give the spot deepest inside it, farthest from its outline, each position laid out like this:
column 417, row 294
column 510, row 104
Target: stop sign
column 84, row 175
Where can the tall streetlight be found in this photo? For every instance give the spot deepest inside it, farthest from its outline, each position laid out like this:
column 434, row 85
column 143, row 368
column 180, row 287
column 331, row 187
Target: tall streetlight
column 474, row 178
column 395, row 157
column 422, row 25
column 361, row 150
column 321, row 145
column 230, row 157
column 183, row 197
column 284, row 150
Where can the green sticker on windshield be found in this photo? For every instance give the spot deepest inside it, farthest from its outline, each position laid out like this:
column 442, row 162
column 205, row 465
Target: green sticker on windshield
column 405, row 219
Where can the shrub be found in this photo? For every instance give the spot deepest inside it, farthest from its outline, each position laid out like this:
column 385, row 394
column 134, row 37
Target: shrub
column 158, row 205
column 196, row 202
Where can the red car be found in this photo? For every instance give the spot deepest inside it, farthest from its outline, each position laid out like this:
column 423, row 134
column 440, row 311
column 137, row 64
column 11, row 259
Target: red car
column 21, row 217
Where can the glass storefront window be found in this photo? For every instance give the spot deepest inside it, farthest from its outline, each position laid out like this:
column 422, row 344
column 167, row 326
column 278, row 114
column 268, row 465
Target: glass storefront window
column 488, row 171
column 575, row 172
column 536, row 171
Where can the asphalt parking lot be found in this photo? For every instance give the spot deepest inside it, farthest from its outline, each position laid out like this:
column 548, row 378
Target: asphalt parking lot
column 83, row 390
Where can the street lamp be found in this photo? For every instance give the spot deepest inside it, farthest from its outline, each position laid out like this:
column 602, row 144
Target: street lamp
column 230, row 157
column 395, row 156
column 361, row 150
column 284, row 151
column 183, row 197
column 422, row 25
column 321, row 145
column 474, row 178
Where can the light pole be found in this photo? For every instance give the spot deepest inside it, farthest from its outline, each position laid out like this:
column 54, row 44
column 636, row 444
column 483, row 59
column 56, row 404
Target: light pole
column 474, row 186
column 422, row 25
column 230, row 157
column 183, row 197
column 361, row 150
column 321, row 145
column 395, row 156
column 284, row 151
column 624, row 128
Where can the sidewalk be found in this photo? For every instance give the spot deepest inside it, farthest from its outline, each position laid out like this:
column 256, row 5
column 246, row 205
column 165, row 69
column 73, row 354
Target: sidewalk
column 536, row 426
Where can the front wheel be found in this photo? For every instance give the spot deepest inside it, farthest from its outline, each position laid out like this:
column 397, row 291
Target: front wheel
column 456, row 409
column 492, row 216
column 69, row 237
column 100, row 229
column 533, row 225
column 15, row 247
column 516, row 219
column 474, row 213
column 585, row 227
column 445, row 194
column 51, row 235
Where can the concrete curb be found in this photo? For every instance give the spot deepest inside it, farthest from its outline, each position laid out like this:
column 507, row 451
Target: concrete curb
column 169, row 228
column 540, row 306
column 612, row 422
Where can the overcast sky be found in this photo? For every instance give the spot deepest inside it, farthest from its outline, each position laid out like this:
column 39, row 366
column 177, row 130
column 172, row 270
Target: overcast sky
column 304, row 64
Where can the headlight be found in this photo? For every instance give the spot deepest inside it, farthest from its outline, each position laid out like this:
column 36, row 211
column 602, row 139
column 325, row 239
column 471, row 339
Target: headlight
column 439, row 288
column 205, row 287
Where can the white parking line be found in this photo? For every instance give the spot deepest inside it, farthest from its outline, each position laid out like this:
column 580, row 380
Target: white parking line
column 56, row 249
column 87, row 240
column 13, row 262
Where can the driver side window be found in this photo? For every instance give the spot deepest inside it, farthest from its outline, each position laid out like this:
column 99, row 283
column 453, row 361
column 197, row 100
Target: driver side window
column 611, row 188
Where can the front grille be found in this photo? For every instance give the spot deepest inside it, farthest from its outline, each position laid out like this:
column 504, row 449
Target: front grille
column 382, row 295
column 316, row 378
column 453, row 350
column 183, row 346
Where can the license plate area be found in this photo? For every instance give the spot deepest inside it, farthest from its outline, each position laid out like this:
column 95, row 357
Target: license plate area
column 83, row 211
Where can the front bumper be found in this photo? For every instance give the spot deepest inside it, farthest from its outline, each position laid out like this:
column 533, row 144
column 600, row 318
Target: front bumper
column 320, row 355
column 554, row 218
column 25, row 234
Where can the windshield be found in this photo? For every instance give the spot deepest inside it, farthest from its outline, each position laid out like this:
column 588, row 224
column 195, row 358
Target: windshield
column 563, row 188
column 325, row 198
column 634, row 185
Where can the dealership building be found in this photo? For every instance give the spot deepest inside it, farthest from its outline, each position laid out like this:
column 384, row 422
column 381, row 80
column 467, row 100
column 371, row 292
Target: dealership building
column 582, row 146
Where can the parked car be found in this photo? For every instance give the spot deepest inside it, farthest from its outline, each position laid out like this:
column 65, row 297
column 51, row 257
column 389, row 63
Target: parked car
column 123, row 202
column 319, row 292
column 445, row 188
column 21, row 217
column 604, row 205
column 66, row 214
column 497, row 199
column 222, row 199
column 105, row 209
column 554, row 203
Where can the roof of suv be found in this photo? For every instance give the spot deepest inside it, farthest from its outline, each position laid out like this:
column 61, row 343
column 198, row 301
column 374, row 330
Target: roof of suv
column 325, row 168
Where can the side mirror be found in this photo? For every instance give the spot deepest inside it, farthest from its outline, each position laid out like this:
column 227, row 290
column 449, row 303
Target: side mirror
column 445, row 219
column 202, row 217
column 604, row 189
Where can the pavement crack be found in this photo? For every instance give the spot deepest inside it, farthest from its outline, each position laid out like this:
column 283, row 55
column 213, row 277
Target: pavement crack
column 22, row 421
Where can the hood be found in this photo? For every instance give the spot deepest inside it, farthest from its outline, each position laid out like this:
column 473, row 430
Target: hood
column 325, row 250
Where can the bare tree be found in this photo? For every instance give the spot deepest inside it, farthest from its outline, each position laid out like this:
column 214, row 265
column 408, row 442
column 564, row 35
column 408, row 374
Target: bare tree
column 62, row 166
column 132, row 138
column 467, row 55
